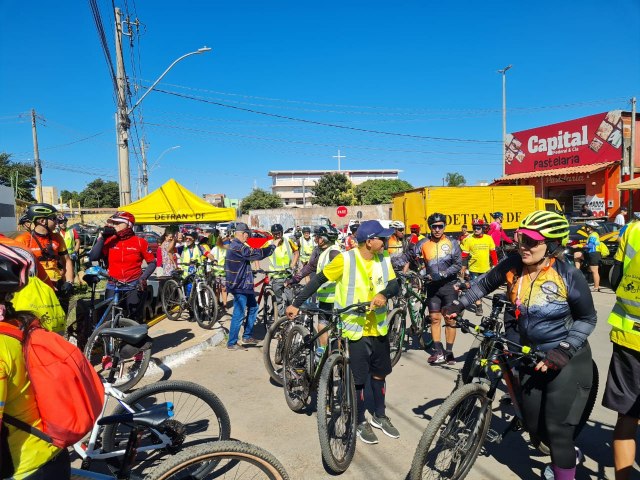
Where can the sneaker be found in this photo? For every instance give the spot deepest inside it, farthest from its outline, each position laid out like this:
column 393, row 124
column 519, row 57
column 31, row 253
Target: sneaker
column 365, row 433
column 548, row 473
column 235, row 347
column 479, row 310
column 384, row 424
column 250, row 342
column 449, row 358
column 437, row 358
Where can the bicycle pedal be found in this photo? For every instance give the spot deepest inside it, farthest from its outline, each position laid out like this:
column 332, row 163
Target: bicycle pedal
column 493, row 436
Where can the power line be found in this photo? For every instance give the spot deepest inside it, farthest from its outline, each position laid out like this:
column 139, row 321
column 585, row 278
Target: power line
column 95, row 11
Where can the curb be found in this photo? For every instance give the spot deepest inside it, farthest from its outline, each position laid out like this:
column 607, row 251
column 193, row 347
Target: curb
column 160, row 365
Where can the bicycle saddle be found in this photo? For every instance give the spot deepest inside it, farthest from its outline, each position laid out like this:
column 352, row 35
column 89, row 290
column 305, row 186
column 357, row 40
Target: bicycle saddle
column 132, row 335
column 153, row 417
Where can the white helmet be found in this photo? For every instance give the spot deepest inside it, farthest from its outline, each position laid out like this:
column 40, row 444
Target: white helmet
column 397, row 224
column 592, row 224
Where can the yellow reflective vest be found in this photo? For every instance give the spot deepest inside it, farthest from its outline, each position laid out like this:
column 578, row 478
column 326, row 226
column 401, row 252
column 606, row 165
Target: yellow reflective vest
column 327, row 291
column 357, row 286
column 625, row 316
column 69, row 240
column 281, row 258
column 306, row 247
column 188, row 256
column 219, row 255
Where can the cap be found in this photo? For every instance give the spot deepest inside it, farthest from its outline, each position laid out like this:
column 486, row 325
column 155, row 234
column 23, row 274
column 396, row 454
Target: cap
column 122, row 217
column 415, row 226
column 242, row 227
column 624, row 208
column 372, row 228
column 530, row 233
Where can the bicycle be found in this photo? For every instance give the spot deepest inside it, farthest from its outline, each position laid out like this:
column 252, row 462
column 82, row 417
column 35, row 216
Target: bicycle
column 198, row 413
column 199, row 298
column 100, row 349
column 268, row 310
column 456, row 433
column 336, row 401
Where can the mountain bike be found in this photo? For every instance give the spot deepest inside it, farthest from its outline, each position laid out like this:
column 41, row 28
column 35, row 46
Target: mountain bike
column 191, row 293
column 101, row 348
column 456, row 433
column 268, row 310
column 336, row 403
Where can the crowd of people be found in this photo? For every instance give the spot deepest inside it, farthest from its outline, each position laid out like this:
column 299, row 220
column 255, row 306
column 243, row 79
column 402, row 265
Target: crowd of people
column 551, row 309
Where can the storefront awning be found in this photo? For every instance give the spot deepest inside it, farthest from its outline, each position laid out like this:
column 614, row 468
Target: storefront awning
column 630, row 184
column 557, row 172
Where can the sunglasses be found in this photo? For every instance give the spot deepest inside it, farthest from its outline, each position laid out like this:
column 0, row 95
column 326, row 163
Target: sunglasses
column 437, row 227
column 528, row 242
column 478, row 227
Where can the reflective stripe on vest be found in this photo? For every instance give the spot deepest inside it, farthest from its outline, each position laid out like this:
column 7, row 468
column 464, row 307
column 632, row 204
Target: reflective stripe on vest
column 306, row 247
column 625, row 315
column 355, row 287
column 327, row 291
column 281, row 257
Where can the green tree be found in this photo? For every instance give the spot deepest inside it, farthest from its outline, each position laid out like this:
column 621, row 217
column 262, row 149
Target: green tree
column 375, row 192
column 68, row 196
column 100, row 194
column 333, row 189
column 260, row 199
column 454, row 179
column 20, row 176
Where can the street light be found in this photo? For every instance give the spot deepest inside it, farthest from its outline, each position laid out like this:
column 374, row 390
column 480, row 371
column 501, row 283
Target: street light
column 145, row 176
column 504, row 115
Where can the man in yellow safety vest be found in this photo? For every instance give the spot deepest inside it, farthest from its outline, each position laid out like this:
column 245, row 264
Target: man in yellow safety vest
column 283, row 259
column 306, row 245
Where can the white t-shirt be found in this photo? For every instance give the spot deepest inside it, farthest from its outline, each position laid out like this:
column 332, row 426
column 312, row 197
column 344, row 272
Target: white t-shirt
column 619, row 220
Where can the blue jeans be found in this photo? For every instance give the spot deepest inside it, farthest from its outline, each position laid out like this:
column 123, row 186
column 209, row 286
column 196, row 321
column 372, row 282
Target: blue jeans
column 240, row 303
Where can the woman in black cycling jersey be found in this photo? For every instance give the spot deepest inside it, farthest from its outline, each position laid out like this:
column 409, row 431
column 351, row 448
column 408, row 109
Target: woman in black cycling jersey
column 554, row 313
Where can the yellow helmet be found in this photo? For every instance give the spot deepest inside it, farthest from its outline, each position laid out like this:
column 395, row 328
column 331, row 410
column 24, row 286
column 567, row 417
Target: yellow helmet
column 550, row 225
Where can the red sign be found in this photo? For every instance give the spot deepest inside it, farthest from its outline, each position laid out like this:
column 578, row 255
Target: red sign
column 342, row 211
column 585, row 141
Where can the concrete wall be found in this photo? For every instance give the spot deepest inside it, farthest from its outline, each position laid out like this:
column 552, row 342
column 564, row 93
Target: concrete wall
column 290, row 217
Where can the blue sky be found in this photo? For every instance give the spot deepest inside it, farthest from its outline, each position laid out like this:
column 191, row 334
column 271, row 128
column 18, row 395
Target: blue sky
column 418, row 68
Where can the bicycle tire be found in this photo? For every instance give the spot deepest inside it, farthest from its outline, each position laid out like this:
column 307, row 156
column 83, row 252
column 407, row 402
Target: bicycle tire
column 207, row 314
column 172, row 299
column 273, row 348
column 397, row 326
column 328, row 408
column 472, row 368
column 199, row 416
column 225, row 456
column 99, row 349
column 295, row 370
column 441, row 432
column 270, row 313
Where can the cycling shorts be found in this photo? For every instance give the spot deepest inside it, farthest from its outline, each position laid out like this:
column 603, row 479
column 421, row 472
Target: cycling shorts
column 369, row 355
column 593, row 259
column 622, row 392
column 439, row 295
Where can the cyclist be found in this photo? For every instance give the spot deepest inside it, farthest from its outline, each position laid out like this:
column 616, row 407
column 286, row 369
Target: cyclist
column 21, row 455
column 398, row 247
column 496, row 231
column 591, row 253
column 71, row 240
column 219, row 255
column 283, row 259
column 555, row 314
column 416, row 236
column 443, row 261
column 325, row 251
column 363, row 274
column 49, row 249
column 350, row 240
column 464, row 233
column 306, row 245
column 124, row 254
column 477, row 251
column 24, row 222
column 192, row 252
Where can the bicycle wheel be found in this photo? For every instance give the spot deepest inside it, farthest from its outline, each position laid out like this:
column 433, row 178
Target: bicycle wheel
column 295, row 375
column 397, row 325
column 199, row 416
column 173, row 300
column 100, row 351
column 273, row 348
column 227, row 459
column 452, row 441
column 269, row 308
column 474, row 366
column 337, row 415
column 205, row 306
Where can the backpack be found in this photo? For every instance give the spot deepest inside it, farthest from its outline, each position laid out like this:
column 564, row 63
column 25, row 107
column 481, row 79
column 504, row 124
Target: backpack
column 603, row 249
column 68, row 391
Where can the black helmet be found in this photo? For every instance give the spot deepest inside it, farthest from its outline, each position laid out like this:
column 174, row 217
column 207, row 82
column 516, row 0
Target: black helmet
column 354, row 227
column 41, row 210
column 306, row 230
column 497, row 215
column 24, row 219
column 62, row 218
column 435, row 218
column 276, row 228
column 193, row 234
column 329, row 235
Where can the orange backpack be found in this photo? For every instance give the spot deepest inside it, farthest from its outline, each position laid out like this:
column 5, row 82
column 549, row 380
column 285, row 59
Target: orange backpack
column 68, row 391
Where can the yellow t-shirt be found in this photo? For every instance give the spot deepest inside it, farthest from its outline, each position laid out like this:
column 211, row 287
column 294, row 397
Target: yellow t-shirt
column 478, row 248
column 626, row 339
column 17, row 399
column 333, row 272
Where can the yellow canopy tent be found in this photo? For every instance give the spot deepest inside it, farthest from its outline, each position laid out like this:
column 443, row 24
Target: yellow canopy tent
column 630, row 184
column 172, row 203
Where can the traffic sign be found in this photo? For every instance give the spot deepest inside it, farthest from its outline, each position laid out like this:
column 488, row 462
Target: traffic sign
column 341, row 211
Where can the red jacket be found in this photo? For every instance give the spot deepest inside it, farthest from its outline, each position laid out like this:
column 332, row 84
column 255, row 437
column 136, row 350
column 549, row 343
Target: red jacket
column 124, row 257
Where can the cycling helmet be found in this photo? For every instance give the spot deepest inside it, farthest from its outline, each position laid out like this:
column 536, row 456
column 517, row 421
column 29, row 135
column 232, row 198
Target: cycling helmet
column 24, row 219
column 397, row 224
column 354, row 227
column 592, row 224
column 41, row 210
column 435, row 218
column 550, row 225
column 328, row 235
column 276, row 228
column 193, row 234
column 478, row 222
column 497, row 215
column 62, row 218
column 306, row 230
column 14, row 269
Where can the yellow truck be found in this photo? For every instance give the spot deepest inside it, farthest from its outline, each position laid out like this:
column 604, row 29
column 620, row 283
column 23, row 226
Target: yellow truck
column 462, row 205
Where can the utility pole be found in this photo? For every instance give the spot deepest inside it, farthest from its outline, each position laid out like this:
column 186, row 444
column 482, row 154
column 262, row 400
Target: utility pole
column 145, row 177
column 122, row 118
column 632, row 153
column 504, row 116
column 36, row 157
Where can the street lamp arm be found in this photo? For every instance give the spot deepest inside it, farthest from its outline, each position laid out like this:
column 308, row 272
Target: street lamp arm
column 157, row 162
column 197, row 52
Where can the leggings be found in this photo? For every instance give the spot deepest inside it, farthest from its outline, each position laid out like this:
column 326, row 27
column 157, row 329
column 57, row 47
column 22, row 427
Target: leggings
column 553, row 404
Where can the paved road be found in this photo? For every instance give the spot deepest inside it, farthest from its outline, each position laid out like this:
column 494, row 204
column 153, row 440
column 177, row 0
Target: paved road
column 260, row 415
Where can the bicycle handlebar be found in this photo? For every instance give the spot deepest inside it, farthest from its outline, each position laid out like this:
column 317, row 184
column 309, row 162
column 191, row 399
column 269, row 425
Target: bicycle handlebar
column 101, row 272
column 361, row 307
